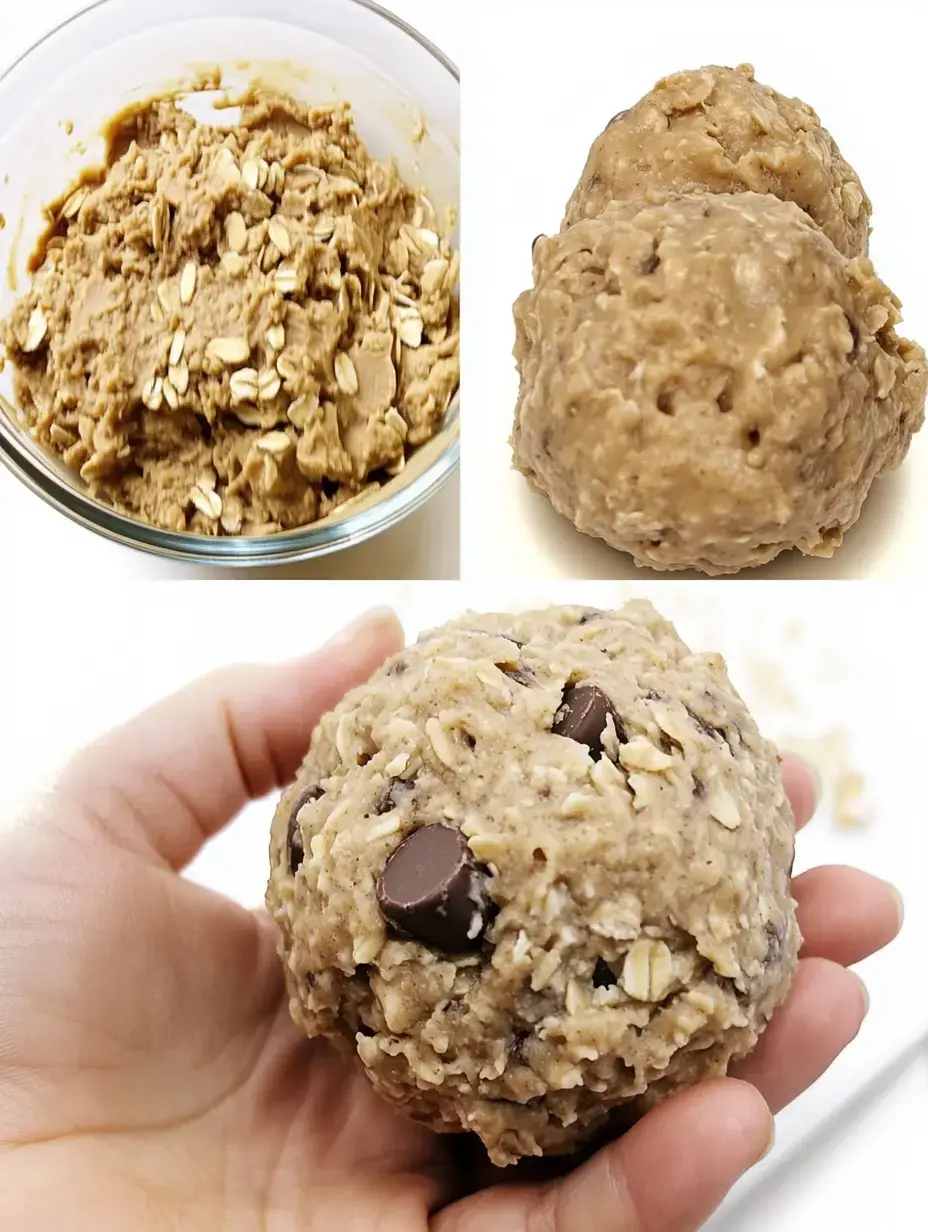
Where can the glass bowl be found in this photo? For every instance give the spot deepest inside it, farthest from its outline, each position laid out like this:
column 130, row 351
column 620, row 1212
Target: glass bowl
column 57, row 98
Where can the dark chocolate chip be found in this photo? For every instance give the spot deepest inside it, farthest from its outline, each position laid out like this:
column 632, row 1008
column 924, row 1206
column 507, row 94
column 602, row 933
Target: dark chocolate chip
column 433, row 891
column 517, row 1045
column 582, row 717
column 705, row 726
column 699, row 788
column 294, row 837
column 651, row 263
column 520, row 674
column 603, row 976
column 392, row 796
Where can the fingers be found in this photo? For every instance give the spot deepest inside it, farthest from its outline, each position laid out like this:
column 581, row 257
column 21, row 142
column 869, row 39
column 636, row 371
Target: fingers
column 820, row 1017
column 845, row 914
column 173, row 776
column 800, row 782
column 668, row 1174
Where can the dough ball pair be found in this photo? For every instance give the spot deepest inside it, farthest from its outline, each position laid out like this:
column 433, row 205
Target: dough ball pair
column 710, row 373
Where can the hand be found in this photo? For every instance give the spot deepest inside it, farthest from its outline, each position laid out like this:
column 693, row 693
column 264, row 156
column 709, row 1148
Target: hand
column 151, row 1078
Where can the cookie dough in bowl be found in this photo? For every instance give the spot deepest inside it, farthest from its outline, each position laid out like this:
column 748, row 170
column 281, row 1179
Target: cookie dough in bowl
column 718, row 130
column 707, row 382
column 236, row 328
column 535, row 870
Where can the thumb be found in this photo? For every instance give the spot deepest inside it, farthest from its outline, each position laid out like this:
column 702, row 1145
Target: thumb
column 173, row 776
column 667, row 1174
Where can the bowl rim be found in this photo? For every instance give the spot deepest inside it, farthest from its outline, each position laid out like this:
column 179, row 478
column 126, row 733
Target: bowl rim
column 232, row 552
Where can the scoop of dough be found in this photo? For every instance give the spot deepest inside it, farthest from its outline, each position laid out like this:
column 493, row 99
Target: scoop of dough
column 718, row 130
column 535, row 870
column 707, row 382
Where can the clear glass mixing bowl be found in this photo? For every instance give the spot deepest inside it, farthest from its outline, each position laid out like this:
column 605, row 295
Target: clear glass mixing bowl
column 54, row 102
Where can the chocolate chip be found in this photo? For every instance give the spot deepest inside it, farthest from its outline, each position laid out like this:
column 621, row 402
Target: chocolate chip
column 603, row 976
column 520, row 674
column 699, row 788
column 651, row 263
column 294, row 837
column 433, row 891
column 392, row 796
column 774, row 943
column 705, row 726
column 582, row 717
column 517, row 1045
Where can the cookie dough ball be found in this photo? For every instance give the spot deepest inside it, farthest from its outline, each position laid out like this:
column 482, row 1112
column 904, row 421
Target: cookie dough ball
column 707, row 382
column 718, row 130
column 537, row 869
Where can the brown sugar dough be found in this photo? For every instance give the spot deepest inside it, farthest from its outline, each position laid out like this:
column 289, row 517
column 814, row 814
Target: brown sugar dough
column 604, row 856
column 235, row 330
column 707, row 382
column 718, row 130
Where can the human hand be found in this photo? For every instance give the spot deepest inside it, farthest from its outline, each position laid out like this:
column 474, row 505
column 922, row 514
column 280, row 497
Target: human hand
column 151, row 1078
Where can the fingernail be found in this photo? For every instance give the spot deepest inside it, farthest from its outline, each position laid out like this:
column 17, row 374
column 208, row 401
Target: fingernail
column 362, row 624
column 771, row 1141
column 864, row 993
column 900, row 905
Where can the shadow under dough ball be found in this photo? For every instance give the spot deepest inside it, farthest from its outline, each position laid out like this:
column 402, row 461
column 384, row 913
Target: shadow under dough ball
column 718, row 130
column 707, row 382
column 539, row 875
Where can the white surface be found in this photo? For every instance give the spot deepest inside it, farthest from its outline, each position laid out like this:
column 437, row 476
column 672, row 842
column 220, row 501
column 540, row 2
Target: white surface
column 551, row 76
column 426, row 544
column 826, row 646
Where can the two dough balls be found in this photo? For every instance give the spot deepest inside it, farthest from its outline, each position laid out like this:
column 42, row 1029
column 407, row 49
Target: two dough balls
column 710, row 372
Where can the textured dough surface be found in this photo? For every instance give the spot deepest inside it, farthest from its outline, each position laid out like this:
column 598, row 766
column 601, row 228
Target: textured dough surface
column 718, row 130
column 707, row 381
column 313, row 259
column 661, row 866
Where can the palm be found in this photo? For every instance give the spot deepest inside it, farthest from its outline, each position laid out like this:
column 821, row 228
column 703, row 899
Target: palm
column 186, row 1070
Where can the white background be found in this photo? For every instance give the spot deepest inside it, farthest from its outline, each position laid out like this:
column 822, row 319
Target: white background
column 425, row 545
column 807, row 657
column 551, row 76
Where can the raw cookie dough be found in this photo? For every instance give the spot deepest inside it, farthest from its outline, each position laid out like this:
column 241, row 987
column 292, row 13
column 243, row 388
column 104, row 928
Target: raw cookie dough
column 236, row 330
column 718, row 130
column 537, row 868
column 707, row 382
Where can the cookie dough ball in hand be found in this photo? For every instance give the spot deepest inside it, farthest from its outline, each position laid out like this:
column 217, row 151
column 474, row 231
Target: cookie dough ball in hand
column 717, row 130
column 537, row 869
column 707, row 382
